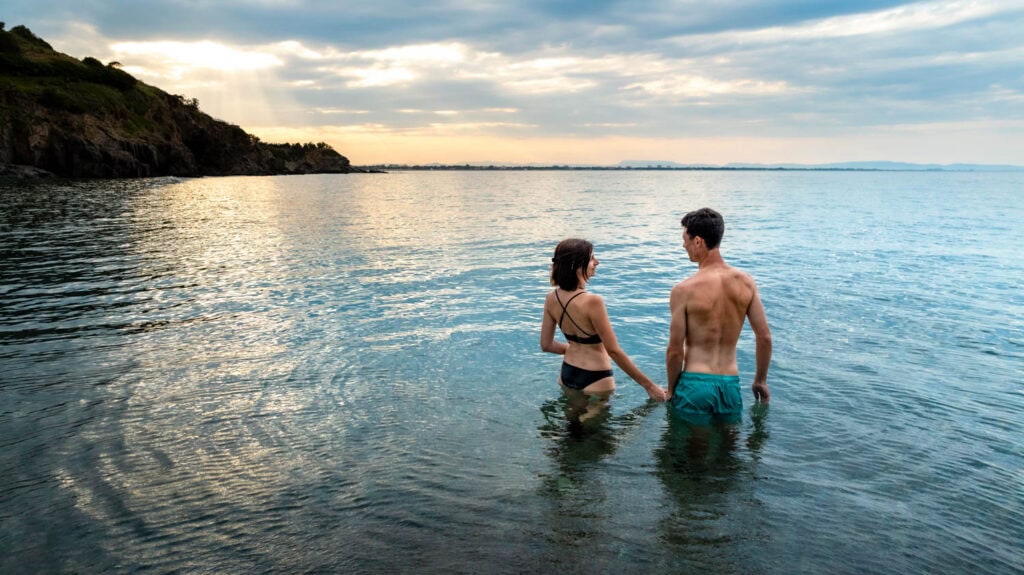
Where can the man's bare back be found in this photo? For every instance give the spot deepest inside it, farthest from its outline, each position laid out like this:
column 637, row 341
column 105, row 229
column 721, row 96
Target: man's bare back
column 708, row 310
column 713, row 303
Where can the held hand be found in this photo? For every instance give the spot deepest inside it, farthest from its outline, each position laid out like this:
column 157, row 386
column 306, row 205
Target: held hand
column 760, row 392
column 657, row 393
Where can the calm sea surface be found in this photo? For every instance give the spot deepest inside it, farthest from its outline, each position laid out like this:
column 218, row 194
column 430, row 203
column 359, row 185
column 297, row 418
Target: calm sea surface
column 342, row 374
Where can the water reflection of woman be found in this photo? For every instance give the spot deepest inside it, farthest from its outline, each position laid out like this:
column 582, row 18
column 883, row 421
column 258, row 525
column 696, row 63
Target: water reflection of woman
column 581, row 316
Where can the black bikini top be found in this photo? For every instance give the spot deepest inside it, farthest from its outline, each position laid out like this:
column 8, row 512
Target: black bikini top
column 588, row 338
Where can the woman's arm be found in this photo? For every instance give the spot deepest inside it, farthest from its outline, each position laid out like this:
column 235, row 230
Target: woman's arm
column 599, row 317
column 547, row 335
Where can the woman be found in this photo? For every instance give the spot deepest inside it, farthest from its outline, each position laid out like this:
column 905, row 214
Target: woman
column 583, row 319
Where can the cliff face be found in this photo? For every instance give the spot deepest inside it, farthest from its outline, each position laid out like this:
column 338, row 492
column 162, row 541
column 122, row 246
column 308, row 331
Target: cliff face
column 85, row 120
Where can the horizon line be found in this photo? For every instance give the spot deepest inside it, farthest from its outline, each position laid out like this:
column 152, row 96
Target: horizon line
column 738, row 166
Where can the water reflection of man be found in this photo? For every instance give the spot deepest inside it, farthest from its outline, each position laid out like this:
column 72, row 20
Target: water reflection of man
column 717, row 522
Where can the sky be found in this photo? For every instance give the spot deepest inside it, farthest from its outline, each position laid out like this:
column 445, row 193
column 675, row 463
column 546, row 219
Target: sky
column 579, row 82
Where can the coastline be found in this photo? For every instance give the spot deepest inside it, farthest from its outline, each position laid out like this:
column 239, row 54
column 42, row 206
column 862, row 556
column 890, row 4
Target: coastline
column 565, row 167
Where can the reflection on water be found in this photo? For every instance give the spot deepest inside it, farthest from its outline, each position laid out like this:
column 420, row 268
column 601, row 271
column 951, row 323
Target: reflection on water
column 574, row 522
column 580, row 436
column 341, row 374
column 583, row 433
column 708, row 521
column 702, row 472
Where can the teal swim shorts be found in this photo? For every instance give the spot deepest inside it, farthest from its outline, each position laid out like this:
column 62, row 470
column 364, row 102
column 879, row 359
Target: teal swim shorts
column 706, row 397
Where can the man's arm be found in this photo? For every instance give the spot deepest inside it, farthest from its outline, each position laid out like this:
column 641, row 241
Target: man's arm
column 763, row 353
column 675, row 354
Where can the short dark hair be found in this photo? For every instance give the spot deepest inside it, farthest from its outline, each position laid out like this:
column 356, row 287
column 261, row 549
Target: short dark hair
column 570, row 255
column 705, row 223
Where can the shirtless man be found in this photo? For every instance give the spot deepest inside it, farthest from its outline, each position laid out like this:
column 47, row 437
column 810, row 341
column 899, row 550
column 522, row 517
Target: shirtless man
column 708, row 310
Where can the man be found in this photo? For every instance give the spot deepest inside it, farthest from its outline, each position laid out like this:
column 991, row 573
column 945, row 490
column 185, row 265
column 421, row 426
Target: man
column 708, row 310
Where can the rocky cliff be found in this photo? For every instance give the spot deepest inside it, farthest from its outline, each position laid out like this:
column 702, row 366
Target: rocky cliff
column 83, row 119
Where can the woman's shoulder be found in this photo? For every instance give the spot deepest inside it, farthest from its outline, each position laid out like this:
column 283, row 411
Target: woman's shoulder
column 560, row 297
column 549, row 299
column 576, row 296
column 590, row 300
column 552, row 298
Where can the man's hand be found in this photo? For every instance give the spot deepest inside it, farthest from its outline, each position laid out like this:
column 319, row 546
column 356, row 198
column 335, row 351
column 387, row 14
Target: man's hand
column 760, row 392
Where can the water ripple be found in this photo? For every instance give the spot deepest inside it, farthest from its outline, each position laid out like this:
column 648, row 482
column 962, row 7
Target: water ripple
column 342, row 374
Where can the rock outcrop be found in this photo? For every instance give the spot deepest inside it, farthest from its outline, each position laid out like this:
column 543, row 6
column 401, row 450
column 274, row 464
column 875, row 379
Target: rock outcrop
column 83, row 119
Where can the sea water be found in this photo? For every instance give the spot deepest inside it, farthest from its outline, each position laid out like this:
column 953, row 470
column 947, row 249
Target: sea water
column 342, row 374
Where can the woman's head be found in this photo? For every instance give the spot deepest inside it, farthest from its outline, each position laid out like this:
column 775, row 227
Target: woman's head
column 571, row 256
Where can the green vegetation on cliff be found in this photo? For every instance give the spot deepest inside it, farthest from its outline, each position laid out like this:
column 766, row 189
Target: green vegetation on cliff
column 81, row 118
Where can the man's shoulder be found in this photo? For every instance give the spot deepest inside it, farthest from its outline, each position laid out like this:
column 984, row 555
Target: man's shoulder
column 683, row 285
column 736, row 274
column 713, row 279
column 742, row 274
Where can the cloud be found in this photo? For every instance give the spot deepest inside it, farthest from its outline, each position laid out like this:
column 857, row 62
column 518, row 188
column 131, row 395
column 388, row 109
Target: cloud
column 340, row 111
column 902, row 19
column 744, row 71
column 377, row 77
column 395, row 65
column 698, row 87
column 179, row 59
column 555, row 70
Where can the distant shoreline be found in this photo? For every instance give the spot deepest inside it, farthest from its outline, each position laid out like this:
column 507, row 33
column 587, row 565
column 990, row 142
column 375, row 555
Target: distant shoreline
column 23, row 172
column 487, row 168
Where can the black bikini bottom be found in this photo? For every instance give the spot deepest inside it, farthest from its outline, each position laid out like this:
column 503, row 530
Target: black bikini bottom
column 577, row 378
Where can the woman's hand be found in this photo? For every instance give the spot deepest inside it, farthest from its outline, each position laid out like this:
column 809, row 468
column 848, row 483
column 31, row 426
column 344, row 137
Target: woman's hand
column 657, row 393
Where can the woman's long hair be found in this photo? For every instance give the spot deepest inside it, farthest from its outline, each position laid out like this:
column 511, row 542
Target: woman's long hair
column 570, row 255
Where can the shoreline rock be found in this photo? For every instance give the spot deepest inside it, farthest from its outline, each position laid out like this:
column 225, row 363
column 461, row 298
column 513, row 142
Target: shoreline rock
column 84, row 119
column 22, row 172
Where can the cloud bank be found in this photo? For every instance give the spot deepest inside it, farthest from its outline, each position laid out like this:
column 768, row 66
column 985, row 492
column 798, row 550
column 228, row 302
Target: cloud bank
column 582, row 82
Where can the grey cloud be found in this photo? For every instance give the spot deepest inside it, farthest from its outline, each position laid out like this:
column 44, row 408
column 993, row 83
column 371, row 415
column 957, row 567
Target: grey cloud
column 636, row 61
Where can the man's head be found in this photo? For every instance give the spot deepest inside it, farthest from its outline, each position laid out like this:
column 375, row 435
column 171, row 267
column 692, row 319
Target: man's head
column 702, row 231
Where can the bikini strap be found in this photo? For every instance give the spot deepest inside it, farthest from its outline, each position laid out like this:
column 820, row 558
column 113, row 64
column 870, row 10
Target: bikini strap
column 565, row 312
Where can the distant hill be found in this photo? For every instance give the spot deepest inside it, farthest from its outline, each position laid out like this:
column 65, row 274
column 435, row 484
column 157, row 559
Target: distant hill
column 891, row 166
column 84, row 119
column 659, row 164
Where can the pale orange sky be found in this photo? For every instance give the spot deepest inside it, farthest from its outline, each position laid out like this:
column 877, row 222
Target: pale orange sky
column 368, row 147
